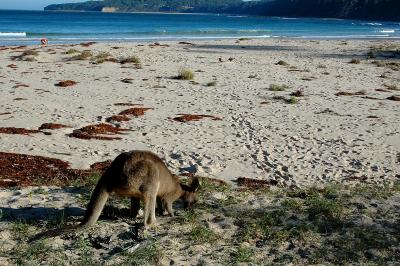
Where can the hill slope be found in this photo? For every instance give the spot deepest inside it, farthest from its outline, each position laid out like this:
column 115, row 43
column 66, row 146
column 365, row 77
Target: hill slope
column 350, row 9
column 152, row 5
column 354, row 9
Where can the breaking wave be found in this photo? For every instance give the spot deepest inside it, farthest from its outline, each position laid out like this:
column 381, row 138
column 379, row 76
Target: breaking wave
column 12, row 34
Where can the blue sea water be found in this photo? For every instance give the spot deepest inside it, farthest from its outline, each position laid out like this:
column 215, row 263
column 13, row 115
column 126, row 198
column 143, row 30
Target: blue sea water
column 28, row 27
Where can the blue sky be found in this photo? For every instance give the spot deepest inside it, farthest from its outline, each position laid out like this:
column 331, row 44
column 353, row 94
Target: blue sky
column 32, row 4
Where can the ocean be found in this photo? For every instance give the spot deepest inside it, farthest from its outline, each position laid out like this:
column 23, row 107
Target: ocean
column 28, row 27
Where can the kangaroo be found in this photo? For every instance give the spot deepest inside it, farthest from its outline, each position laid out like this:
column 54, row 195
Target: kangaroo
column 140, row 175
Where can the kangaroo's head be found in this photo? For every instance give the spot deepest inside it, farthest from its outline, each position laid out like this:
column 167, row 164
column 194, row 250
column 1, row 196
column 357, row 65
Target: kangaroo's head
column 189, row 196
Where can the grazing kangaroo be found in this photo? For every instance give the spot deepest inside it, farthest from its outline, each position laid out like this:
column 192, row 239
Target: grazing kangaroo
column 140, row 175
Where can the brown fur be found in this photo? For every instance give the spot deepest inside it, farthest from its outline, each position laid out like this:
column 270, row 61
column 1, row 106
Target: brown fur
column 141, row 175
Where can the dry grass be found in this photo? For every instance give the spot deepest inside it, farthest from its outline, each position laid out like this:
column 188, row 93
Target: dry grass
column 84, row 55
column 71, row 51
column 355, row 61
column 275, row 87
column 30, row 53
column 130, row 60
column 185, row 74
column 27, row 55
column 103, row 57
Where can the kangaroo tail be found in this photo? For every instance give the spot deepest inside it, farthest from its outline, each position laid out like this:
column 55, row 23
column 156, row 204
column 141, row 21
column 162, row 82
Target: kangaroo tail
column 96, row 204
column 93, row 211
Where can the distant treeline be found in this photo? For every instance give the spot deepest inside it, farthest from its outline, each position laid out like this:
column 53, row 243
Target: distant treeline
column 209, row 6
column 351, row 9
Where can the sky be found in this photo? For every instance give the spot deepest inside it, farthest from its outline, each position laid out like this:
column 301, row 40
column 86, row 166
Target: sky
column 32, row 4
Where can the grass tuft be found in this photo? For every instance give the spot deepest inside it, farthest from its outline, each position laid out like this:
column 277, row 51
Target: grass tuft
column 185, row 74
column 71, row 51
column 102, row 55
column 292, row 100
column 84, row 55
column 201, row 234
column 30, row 53
column 188, row 217
column 148, row 254
column 86, row 253
column 19, row 229
column 32, row 254
column 130, row 60
column 330, row 209
column 242, row 254
column 355, row 61
column 275, row 87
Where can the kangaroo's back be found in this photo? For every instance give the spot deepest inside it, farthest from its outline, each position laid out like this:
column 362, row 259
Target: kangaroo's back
column 130, row 170
column 169, row 183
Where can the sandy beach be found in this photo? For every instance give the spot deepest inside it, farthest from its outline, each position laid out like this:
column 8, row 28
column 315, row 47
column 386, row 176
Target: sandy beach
column 293, row 114
column 319, row 138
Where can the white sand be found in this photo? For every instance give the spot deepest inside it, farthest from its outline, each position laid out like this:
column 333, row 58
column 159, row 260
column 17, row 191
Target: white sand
column 292, row 143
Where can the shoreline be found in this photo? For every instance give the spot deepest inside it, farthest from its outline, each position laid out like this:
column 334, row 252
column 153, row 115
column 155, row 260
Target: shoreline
column 139, row 40
column 137, row 28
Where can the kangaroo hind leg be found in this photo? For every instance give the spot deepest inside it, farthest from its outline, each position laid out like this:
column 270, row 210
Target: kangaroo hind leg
column 169, row 208
column 150, row 199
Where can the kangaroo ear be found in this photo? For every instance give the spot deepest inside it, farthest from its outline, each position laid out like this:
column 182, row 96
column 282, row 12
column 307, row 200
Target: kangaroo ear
column 195, row 184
